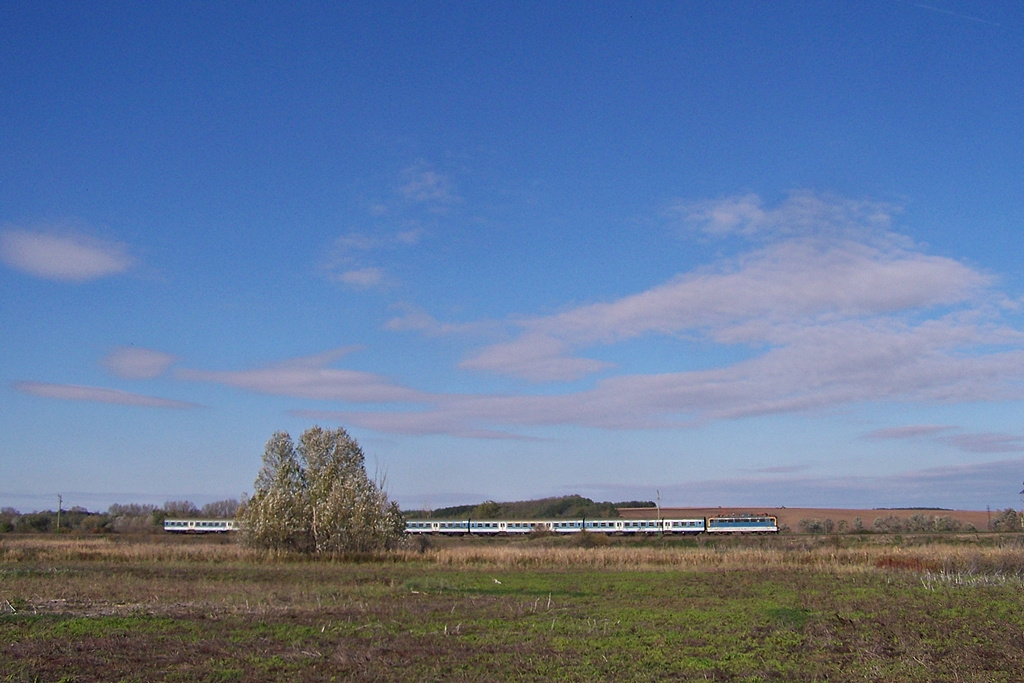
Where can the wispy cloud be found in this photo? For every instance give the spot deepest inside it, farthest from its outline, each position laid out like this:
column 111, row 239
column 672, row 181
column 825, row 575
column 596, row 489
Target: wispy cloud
column 537, row 357
column 961, row 487
column 971, row 442
column 413, row 319
column 422, row 184
column 802, row 214
column 908, row 432
column 74, row 392
column 987, row 442
column 847, row 367
column 354, row 242
column 822, row 319
column 957, row 15
column 310, row 377
column 359, row 258
column 412, row 423
column 348, row 256
column 131, row 362
column 362, row 278
column 833, row 310
column 781, row 295
column 63, row 255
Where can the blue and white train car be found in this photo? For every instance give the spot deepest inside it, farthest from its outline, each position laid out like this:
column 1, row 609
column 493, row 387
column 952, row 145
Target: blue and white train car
column 429, row 526
column 557, row 526
column 684, row 526
column 200, row 526
column 742, row 524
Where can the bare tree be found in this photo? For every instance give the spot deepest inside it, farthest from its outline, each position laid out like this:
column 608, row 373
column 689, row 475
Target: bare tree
column 220, row 509
column 180, row 508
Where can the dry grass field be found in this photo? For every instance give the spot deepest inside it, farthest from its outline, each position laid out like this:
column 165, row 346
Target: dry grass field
column 786, row 608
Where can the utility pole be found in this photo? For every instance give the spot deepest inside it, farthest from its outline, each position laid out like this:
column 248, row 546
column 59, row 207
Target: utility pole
column 60, row 504
column 1021, row 516
column 659, row 513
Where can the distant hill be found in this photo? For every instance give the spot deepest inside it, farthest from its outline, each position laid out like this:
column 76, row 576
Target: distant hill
column 563, row 507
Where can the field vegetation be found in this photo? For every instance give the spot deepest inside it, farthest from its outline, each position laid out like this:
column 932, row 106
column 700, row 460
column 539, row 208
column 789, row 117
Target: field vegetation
column 785, row 608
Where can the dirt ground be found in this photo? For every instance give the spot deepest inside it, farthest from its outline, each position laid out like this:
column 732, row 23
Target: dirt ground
column 791, row 516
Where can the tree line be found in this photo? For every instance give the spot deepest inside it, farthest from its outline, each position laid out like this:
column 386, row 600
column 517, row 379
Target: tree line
column 119, row 518
column 561, row 507
column 918, row 523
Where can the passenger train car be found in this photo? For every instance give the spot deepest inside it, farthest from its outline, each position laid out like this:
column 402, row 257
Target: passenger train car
column 200, row 526
column 736, row 524
column 739, row 524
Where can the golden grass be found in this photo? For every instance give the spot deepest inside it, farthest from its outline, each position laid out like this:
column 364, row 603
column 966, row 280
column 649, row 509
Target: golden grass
column 771, row 554
column 822, row 558
column 112, row 549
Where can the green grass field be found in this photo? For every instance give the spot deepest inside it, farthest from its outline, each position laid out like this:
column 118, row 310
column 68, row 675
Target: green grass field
column 773, row 609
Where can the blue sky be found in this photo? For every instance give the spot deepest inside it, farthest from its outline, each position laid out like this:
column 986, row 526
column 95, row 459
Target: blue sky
column 734, row 253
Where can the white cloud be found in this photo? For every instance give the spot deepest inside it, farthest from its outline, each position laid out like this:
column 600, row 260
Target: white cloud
column 802, row 214
column 310, row 377
column 411, row 423
column 353, row 242
column 821, row 322
column 422, row 184
column 765, row 297
column 415, row 319
column 74, row 392
column 346, row 263
column 987, row 442
column 831, row 366
column 536, row 357
column 971, row 442
column 824, row 319
column 67, row 257
column 130, row 362
column 356, row 241
column 827, row 368
column 362, row 278
column 409, row 237
column 355, row 257
column 907, row 432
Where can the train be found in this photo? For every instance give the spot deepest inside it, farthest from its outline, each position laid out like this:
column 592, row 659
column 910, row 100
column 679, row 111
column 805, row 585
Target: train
column 722, row 524
column 200, row 526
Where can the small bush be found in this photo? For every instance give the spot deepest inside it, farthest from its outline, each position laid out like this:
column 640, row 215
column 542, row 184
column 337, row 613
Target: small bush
column 812, row 526
column 541, row 530
column 890, row 524
column 1007, row 520
column 586, row 539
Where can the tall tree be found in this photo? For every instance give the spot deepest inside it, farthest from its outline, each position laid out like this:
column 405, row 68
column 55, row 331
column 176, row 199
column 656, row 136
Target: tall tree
column 220, row 509
column 317, row 498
